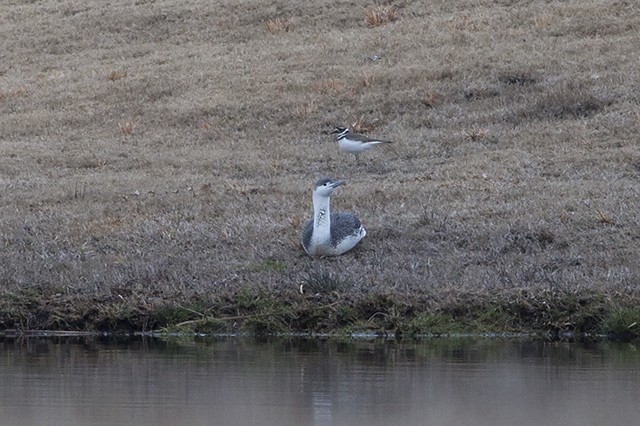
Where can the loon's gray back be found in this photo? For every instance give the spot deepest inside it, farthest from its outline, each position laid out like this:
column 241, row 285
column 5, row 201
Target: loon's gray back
column 342, row 225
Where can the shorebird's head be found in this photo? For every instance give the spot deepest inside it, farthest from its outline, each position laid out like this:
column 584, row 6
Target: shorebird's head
column 340, row 131
column 325, row 186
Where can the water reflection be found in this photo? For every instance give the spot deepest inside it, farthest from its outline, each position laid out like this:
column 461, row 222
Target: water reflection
column 231, row 381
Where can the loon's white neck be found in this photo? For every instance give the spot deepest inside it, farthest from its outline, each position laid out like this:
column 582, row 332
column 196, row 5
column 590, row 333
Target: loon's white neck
column 321, row 219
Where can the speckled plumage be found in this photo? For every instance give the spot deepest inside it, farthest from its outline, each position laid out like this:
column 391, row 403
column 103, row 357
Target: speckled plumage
column 342, row 224
column 330, row 235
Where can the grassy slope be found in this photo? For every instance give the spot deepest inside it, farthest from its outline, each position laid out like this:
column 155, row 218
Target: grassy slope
column 157, row 159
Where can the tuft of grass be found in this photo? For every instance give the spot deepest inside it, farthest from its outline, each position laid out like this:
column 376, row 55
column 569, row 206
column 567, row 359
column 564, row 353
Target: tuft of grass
column 171, row 314
column 475, row 134
column 278, row 25
column 361, row 125
column 306, row 109
column 495, row 318
column 367, row 80
column 430, row 99
column 604, row 218
column 127, row 126
column 331, row 87
column 322, row 282
column 116, row 75
column 16, row 93
column 435, row 323
column 622, row 323
column 376, row 16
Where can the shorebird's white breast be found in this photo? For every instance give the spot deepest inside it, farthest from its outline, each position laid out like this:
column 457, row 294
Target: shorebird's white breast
column 351, row 145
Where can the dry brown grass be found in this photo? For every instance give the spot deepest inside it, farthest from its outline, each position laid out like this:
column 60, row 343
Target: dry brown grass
column 306, row 109
column 331, row 87
column 116, row 75
column 515, row 167
column 430, row 99
column 15, row 93
column 379, row 15
column 278, row 25
column 127, row 126
column 361, row 125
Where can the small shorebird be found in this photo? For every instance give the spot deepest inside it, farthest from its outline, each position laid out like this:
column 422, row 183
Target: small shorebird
column 329, row 234
column 354, row 143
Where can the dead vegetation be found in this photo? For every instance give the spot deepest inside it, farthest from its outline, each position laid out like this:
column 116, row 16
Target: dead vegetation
column 278, row 25
column 127, row 126
column 380, row 15
column 157, row 165
column 116, row 75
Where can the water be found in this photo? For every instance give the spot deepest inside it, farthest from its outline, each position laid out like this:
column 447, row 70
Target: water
column 230, row 381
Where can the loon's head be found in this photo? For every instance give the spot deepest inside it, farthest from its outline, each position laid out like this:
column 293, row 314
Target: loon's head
column 326, row 186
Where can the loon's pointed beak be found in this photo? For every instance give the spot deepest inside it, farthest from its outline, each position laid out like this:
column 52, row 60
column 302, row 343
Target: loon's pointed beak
column 337, row 183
